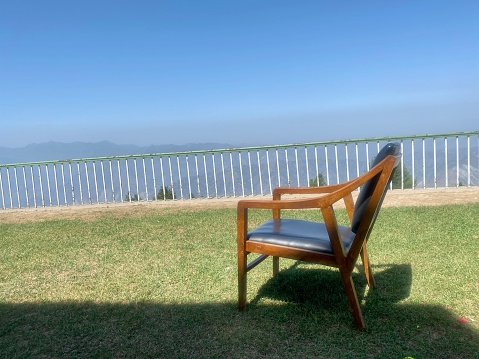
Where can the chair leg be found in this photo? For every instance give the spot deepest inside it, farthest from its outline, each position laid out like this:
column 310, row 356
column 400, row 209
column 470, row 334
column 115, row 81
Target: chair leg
column 242, row 280
column 353, row 300
column 275, row 265
column 367, row 267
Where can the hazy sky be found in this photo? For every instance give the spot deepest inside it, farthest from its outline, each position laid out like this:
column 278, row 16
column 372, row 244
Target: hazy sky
column 242, row 72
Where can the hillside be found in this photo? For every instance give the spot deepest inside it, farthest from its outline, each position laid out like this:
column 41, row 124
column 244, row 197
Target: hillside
column 49, row 151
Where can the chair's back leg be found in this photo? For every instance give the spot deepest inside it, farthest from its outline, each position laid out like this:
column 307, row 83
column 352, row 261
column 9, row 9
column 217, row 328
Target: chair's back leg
column 275, row 265
column 367, row 266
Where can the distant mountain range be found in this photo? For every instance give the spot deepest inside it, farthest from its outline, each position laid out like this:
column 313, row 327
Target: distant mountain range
column 50, row 151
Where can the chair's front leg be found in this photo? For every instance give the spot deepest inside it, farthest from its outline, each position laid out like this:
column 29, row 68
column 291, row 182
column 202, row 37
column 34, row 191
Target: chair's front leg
column 353, row 299
column 242, row 279
column 242, row 223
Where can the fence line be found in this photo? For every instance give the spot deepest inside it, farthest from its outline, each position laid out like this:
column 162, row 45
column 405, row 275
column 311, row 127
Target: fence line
column 428, row 161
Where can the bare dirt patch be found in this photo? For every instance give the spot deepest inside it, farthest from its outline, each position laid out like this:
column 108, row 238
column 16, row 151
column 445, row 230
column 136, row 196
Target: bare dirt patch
column 418, row 197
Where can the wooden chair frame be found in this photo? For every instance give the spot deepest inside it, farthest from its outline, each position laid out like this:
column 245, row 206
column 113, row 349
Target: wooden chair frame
column 328, row 195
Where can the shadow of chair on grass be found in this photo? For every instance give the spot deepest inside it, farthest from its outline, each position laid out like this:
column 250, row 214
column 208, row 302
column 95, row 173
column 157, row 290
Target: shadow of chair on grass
column 320, row 288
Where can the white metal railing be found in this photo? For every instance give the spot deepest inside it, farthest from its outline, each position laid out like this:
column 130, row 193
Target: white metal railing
column 428, row 161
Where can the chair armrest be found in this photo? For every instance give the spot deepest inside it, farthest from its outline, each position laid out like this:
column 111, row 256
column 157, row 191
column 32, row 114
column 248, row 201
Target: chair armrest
column 278, row 204
column 278, row 191
column 348, row 198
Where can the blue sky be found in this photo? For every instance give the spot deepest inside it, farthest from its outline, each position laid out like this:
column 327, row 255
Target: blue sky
column 241, row 72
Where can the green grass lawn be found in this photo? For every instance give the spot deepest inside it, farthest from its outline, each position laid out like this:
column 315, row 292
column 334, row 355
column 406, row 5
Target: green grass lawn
column 163, row 285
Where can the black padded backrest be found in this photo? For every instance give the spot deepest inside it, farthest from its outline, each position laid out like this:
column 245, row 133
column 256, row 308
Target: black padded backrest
column 368, row 188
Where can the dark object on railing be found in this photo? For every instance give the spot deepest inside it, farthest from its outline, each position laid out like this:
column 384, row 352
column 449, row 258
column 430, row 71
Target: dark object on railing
column 324, row 243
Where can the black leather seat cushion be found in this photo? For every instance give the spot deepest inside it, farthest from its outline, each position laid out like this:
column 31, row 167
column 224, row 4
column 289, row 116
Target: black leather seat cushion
column 298, row 233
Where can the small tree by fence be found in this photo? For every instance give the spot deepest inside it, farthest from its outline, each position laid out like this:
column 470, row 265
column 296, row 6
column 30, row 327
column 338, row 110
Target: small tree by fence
column 130, row 198
column 407, row 179
column 165, row 194
column 317, row 181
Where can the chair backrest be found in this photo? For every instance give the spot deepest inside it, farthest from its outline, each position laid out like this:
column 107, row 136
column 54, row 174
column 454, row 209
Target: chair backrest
column 368, row 188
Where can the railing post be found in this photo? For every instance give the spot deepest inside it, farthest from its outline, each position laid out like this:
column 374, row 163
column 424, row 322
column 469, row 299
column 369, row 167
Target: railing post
column 327, row 163
column 445, row 161
column 1, row 190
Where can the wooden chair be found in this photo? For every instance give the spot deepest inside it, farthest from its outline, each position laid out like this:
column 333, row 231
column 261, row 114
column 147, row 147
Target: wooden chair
column 324, row 243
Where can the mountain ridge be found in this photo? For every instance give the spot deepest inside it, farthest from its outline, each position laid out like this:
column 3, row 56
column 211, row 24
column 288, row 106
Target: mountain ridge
column 52, row 150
